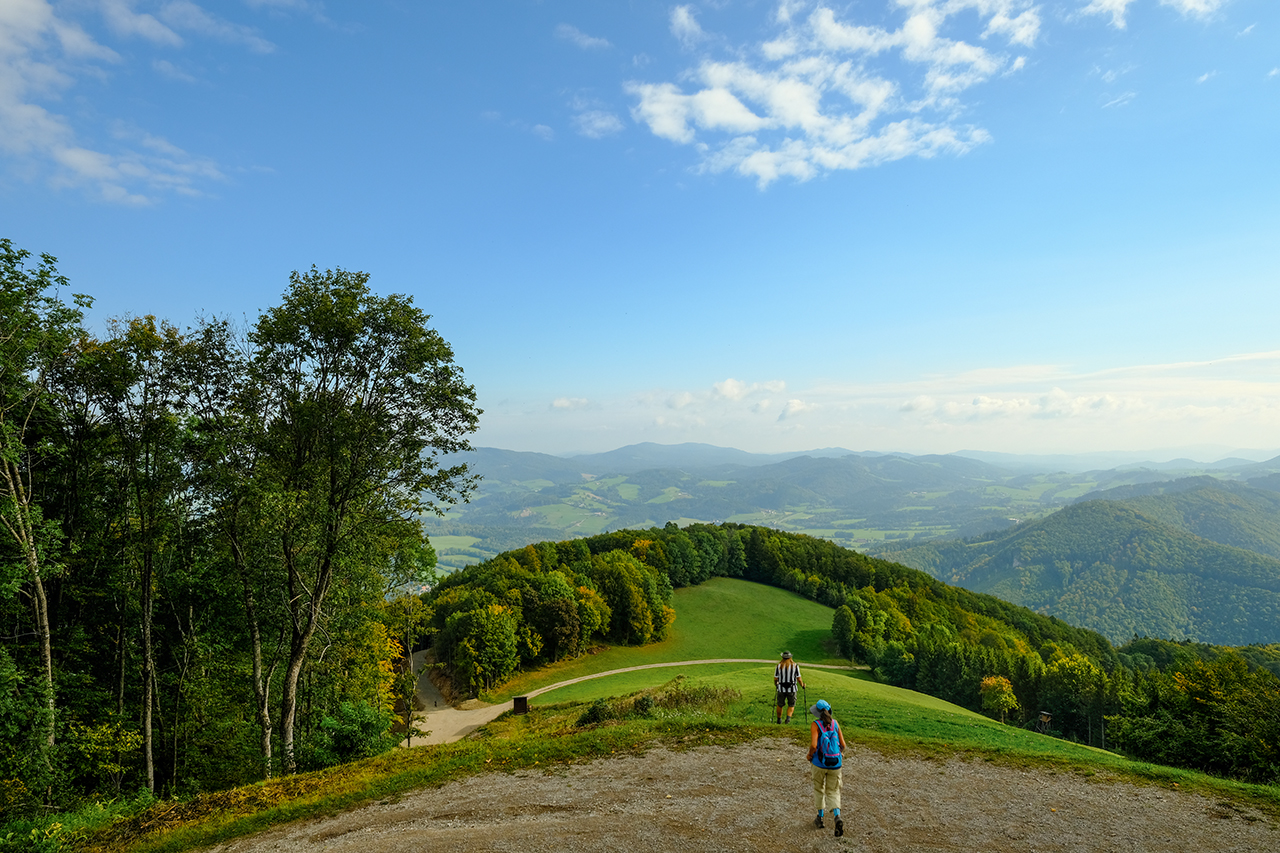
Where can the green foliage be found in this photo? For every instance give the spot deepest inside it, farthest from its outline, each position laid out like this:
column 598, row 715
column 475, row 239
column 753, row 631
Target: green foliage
column 998, row 697
column 352, row 732
column 1222, row 717
column 843, row 627
column 193, row 508
column 598, row 712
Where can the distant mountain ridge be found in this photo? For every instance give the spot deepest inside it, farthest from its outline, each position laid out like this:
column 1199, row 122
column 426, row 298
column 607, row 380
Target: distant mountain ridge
column 1196, row 558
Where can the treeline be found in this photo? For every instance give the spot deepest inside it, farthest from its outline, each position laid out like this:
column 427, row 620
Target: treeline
column 916, row 632
column 201, row 533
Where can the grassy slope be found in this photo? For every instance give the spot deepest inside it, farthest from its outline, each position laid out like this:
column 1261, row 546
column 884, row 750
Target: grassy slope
column 722, row 618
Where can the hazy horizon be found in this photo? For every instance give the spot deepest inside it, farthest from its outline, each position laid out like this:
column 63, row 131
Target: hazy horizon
column 1203, row 454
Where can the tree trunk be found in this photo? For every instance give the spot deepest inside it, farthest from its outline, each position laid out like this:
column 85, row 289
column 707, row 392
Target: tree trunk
column 21, row 524
column 148, row 670
column 261, row 679
column 305, row 613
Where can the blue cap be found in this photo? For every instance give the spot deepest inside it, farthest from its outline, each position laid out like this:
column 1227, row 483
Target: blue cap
column 820, row 705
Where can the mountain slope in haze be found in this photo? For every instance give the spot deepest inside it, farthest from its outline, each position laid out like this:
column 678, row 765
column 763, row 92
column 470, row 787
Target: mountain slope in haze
column 1228, row 513
column 1107, row 566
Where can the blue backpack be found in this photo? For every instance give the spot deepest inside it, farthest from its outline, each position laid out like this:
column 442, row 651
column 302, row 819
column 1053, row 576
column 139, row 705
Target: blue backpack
column 828, row 754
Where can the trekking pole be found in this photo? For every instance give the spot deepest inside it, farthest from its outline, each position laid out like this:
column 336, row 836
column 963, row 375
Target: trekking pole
column 806, row 700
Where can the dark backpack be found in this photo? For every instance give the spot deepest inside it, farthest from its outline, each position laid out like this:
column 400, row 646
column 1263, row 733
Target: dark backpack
column 828, row 753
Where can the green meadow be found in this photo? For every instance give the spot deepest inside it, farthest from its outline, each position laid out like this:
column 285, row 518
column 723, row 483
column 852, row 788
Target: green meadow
column 722, row 618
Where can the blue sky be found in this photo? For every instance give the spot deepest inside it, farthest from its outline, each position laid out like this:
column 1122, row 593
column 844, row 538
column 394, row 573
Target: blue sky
column 921, row 225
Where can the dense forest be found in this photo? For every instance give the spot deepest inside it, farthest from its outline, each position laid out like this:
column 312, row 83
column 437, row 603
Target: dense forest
column 1185, row 704
column 1193, row 562
column 202, row 533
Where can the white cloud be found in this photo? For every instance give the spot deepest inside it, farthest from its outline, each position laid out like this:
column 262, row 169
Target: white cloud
column 795, row 407
column 1274, row 72
column 543, row 132
column 826, row 93
column 1199, row 8
column 1208, row 75
column 1246, row 30
column 597, row 124
column 572, row 34
column 681, row 400
column 685, row 27
column 569, row 403
column 1115, row 8
column 735, row 389
column 1120, row 100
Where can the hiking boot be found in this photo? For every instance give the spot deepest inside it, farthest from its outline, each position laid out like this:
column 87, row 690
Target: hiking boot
column 839, row 827
column 817, row 821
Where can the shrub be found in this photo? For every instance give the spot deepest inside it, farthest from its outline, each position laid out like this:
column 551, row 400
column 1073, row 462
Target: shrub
column 597, row 713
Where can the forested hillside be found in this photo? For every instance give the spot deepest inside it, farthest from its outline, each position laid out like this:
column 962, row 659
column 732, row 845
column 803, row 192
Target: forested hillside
column 1229, row 513
column 201, row 531
column 1191, row 705
column 1134, row 566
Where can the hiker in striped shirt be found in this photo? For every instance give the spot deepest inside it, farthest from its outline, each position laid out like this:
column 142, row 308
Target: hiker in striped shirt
column 785, row 679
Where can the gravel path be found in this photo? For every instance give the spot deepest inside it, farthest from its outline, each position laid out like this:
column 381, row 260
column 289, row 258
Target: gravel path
column 756, row 797
column 441, row 723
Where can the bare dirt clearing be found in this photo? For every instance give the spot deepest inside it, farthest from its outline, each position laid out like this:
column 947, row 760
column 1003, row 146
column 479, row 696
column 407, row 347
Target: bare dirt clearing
column 756, row 796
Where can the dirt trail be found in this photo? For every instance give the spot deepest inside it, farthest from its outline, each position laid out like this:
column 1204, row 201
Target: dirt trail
column 442, row 723
column 756, row 797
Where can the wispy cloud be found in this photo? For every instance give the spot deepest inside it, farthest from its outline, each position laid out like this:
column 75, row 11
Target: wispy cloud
column 597, row 124
column 1207, row 76
column 569, row 403
column 685, row 27
column 826, row 93
column 542, row 131
column 44, row 51
column 572, row 34
column 167, row 69
column 1198, row 8
column 1120, row 100
column 187, row 16
column 795, row 407
column 1117, row 9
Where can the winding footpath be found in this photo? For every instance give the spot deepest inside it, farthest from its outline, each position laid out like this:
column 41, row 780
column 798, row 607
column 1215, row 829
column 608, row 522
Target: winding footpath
column 442, row 723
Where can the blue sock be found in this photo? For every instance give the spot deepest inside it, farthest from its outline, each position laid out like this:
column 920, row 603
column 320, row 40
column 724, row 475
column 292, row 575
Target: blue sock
column 820, row 811
column 835, row 812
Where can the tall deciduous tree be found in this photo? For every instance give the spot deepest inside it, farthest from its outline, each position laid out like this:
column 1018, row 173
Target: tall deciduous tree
column 36, row 332
column 141, row 397
column 361, row 400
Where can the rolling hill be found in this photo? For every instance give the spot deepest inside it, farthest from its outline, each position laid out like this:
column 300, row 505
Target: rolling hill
column 1135, row 566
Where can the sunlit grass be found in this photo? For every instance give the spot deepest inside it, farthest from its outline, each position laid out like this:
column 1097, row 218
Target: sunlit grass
column 722, row 618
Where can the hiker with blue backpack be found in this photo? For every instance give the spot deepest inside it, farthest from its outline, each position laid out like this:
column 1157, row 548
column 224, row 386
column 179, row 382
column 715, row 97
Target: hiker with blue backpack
column 826, row 754
column 785, row 678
